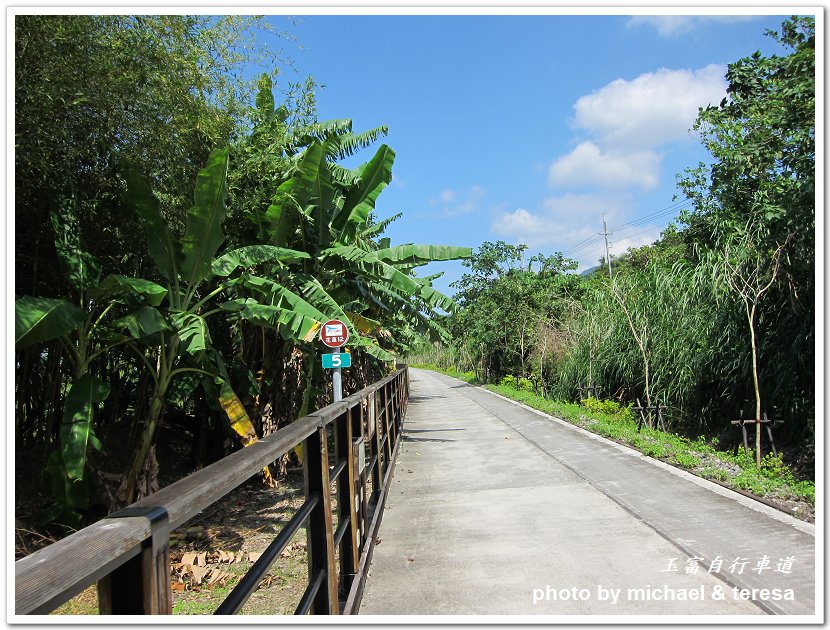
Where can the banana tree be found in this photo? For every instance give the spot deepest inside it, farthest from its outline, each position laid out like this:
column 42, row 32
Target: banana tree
column 174, row 337
column 328, row 212
column 81, row 328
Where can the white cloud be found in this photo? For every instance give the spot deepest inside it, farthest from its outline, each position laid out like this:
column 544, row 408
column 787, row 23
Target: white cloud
column 588, row 165
column 455, row 203
column 562, row 223
column 447, row 195
column 670, row 26
column 524, row 226
column 573, row 208
column 650, row 110
column 620, row 245
column 666, row 25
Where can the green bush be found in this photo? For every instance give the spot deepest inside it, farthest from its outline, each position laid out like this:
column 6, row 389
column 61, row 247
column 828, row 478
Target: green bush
column 608, row 407
column 523, row 384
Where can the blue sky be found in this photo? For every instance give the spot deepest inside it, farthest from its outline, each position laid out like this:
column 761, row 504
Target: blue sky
column 526, row 128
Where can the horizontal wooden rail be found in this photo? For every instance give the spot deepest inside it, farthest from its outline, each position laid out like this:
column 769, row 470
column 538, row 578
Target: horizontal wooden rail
column 127, row 553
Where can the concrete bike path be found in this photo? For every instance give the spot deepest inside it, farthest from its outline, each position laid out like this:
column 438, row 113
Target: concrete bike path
column 496, row 509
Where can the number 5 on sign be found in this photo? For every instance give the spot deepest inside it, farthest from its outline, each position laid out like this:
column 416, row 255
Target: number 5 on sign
column 337, row 360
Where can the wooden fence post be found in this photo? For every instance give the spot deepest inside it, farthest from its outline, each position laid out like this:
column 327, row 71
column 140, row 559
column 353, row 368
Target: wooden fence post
column 349, row 549
column 384, row 394
column 320, row 532
column 141, row 586
column 377, row 441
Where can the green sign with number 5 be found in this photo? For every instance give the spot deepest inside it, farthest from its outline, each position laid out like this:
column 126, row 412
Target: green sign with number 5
column 337, row 360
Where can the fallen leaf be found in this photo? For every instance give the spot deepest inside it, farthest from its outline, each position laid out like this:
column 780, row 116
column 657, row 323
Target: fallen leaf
column 199, row 574
column 179, row 587
column 189, row 558
column 253, row 556
column 217, row 576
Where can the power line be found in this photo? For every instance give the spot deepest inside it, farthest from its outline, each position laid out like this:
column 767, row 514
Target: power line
column 672, row 209
column 575, row 250
column 583, row 247
column 587, row 241
column 651, row 229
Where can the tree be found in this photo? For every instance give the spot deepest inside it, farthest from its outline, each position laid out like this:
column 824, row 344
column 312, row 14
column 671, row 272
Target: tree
column 750, row 274
column 161, row 91
column 506, row 303
column 755, row 206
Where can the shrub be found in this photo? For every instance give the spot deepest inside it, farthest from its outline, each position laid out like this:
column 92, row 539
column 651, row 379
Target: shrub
column 608, row 407
column 523, row 384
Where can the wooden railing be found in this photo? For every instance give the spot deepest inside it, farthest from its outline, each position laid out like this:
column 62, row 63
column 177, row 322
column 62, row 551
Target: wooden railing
column 128, row 552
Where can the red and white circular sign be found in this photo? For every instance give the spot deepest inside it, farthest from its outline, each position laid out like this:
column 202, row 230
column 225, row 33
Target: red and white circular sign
column 334, row 333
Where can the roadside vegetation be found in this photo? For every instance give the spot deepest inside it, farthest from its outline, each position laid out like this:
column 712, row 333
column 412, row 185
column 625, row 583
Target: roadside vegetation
column 715, row 321
column 182, row 233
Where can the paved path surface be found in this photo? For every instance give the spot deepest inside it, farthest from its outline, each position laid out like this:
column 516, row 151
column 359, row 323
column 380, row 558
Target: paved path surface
column 497, row 509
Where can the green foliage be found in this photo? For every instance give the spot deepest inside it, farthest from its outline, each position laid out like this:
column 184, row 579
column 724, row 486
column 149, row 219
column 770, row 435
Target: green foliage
column 42, row 319
column 608, row 407
column 516, row 382
column 66, row 467
column 511, row 314
column 275, row 238
column 159, row 91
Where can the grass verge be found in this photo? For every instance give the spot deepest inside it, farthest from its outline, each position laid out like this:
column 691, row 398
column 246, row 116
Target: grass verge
column 774, row 481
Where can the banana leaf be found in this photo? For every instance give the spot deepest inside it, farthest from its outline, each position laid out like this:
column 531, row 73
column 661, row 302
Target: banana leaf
column 375, row 175
column 203, row 230
column 380, row 226
column 292, row 325
column 115, row 286
column 237, row 416
column 283, row 215
column 313, row 187
column 239, row 421
column 42, row 319
column 143, row 324
column 192, row 330
column 342, row 145
column 253, row 255
column 365, row 325
column 164, row 249
column 415, row 255
column 76, row 431
column 386, row 273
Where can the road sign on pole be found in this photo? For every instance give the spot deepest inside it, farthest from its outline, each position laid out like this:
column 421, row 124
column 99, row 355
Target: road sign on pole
column 334, row 333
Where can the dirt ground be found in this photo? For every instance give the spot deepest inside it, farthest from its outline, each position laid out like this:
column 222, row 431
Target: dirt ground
column 211, row 552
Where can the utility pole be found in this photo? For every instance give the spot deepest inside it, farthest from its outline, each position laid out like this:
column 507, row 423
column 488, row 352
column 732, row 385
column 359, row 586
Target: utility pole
column 607, row 253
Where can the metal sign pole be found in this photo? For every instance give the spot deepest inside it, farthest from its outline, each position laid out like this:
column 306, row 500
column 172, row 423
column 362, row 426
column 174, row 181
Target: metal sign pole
column 337, row 381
